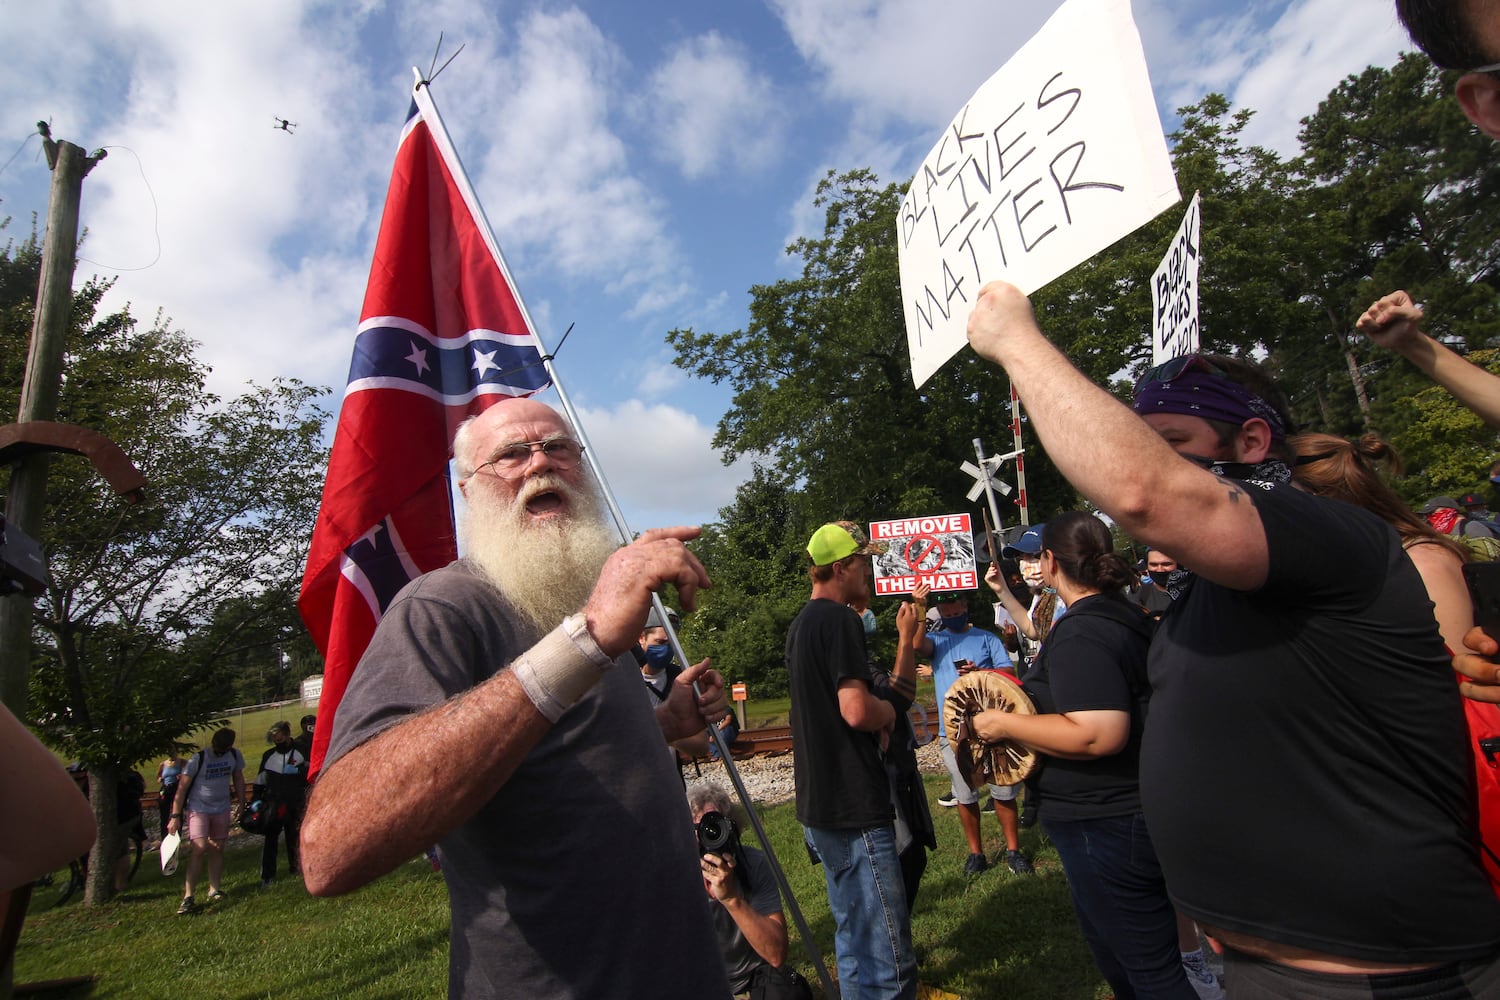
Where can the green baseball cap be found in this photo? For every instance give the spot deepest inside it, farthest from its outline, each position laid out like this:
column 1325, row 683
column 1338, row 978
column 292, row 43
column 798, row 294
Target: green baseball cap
column 839, row 540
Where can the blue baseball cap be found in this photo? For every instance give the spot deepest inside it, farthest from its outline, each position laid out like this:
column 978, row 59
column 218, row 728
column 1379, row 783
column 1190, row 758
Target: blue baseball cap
column 1029, row 544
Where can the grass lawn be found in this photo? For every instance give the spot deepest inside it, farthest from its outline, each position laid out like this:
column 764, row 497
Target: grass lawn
column 998, row 936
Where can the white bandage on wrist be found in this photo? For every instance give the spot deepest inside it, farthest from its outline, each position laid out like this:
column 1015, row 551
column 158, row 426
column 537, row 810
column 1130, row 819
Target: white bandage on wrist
column 561, row 669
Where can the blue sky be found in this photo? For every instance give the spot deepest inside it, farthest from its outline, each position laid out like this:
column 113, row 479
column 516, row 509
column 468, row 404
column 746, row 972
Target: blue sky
column 643, row 164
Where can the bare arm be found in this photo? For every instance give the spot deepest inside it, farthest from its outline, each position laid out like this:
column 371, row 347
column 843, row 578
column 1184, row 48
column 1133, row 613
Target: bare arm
column 909, row 625
column 1114, row 458
column 1017, row 611
column 862, row 710
column 58, row 823
column 179, row 803
column 347, row 838
column 765, row 932
column 1394, row 322
column 921, row 645
column 1442, row 575
column 1074, row 735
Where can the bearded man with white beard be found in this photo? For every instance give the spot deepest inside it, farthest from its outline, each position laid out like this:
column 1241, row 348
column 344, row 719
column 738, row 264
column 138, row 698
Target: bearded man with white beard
column 498, row 713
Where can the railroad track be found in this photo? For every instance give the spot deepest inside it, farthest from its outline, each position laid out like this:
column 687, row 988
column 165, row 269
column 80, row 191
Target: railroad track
column 772, row 740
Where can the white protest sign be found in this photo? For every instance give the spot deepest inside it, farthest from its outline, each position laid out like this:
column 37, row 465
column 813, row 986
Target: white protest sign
column 1055, row 157
column 1174, row 292
column 937, row 551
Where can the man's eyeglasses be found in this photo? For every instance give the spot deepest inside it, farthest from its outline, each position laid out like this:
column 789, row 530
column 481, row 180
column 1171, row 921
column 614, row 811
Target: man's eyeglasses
column 1491, row 68
column 512, row 461
column 1175, row 369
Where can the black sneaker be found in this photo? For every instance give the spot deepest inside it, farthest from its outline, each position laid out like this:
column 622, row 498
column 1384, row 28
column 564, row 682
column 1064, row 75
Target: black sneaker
column 948, row 799
column 989, row 806
column 1018, row 863
column 976, row 865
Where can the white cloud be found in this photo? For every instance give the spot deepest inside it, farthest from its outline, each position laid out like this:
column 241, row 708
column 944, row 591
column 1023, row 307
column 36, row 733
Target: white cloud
column 896, row 60
column 555, row 179
column 1310, row 49
column 660, row 464
column 712, row 111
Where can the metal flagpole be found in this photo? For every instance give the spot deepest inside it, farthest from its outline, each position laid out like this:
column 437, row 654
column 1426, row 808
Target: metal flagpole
column 422, row 94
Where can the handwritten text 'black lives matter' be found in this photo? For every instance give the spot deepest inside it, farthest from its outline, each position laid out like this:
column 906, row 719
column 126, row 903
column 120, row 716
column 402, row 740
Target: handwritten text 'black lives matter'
column 999, row 188
column 1174, row 293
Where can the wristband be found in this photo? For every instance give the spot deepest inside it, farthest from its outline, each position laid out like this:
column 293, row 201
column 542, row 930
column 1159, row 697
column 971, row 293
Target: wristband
column 559, row 670
column 176, row 816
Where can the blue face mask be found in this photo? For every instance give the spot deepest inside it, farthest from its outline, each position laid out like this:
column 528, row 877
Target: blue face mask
column 659, row 656
column 957, row 623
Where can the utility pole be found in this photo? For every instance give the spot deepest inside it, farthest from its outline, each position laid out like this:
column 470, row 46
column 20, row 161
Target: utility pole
column 39, row 392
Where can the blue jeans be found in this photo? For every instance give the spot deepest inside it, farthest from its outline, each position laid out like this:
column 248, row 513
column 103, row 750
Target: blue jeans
column 1121, row 901
column 872, row 928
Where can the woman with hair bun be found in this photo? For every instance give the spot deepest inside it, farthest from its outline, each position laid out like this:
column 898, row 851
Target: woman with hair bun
column 1348, row 470
column 1089, row 687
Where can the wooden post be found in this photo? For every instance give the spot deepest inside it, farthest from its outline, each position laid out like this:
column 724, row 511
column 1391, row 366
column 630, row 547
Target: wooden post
column 39, row 392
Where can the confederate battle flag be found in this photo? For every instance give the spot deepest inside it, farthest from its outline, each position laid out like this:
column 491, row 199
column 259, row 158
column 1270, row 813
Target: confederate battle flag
column 442, row 335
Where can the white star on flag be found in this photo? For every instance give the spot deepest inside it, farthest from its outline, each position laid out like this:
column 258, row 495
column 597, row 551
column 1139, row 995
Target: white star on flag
column 484, row 361
column 418, row 357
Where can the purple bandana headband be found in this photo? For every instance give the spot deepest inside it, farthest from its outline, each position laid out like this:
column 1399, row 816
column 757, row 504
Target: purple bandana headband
column 1212, row 397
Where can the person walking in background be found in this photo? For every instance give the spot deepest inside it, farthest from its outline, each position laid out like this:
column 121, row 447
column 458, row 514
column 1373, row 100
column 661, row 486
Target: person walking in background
column 167, row 774
column 212, row 784
column 281, row 785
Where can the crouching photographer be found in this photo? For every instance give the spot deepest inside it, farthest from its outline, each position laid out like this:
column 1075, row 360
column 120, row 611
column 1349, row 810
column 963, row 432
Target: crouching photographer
column 747, row 912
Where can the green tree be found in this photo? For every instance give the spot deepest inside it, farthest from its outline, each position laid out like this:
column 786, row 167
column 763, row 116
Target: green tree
column 1398, row 191
column 147, row 603
column 758, row 566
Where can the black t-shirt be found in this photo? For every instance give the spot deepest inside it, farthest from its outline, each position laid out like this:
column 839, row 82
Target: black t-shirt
column 841, row 782
column 1155, row 601
column 1304, row 769
column 1090, row 663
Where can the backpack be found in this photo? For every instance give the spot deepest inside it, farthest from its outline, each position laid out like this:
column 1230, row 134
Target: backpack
column 1484, row 733
column 258, row 815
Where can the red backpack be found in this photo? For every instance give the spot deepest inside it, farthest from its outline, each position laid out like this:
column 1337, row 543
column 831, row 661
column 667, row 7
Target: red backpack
column 1484, row 729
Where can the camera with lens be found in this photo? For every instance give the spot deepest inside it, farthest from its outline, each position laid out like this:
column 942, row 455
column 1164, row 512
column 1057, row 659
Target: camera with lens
column 718, row 834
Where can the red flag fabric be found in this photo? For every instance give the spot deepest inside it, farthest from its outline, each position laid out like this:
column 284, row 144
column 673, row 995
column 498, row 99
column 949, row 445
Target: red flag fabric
column 441, row 337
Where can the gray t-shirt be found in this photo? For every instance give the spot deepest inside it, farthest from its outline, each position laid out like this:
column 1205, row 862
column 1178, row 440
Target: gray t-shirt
column 739, row 957
column 213, row 775
column 568, row 880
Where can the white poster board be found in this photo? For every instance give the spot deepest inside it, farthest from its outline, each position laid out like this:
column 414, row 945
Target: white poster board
column 1174, row 292
column 937, row 551
column 1055, row 157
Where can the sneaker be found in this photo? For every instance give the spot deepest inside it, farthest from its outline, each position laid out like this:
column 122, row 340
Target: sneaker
column 976, row 865
column 988, row 807
column 216, row 895
column 188, row 906
column 1202, row 978
column 948, row 799
column 1018, row 863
